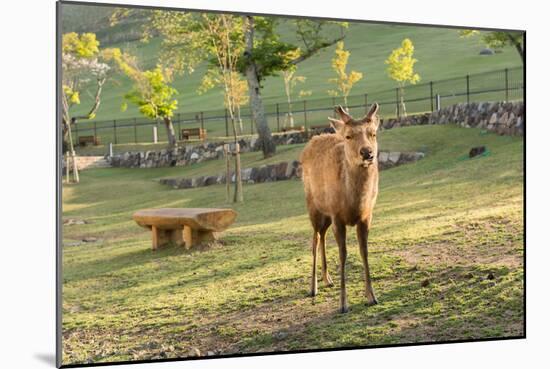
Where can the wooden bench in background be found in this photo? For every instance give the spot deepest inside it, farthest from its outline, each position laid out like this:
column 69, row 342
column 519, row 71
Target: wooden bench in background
column 184, row 226
column 321, row 128
column 188, row 132
column 293, row 129
column 85, row 140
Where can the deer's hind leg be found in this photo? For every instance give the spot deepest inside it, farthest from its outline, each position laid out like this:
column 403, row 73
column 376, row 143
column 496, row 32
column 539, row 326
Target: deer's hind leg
column 322, row 247
column 320, row 225
column 363, row 237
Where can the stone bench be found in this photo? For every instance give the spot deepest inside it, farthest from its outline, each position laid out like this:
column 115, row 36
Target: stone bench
column 184, row 226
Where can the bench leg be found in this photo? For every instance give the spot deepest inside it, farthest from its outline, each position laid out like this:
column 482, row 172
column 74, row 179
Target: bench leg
column 177, row 236
column 193, row 237
column 162, row 237
column 155, row 232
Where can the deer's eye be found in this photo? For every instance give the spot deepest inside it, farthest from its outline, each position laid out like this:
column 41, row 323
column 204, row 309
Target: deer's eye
column 348, row 137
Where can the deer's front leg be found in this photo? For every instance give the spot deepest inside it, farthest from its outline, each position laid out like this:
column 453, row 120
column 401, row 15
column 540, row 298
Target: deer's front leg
column 314, row 243
column 340, row 234
column 362, row 236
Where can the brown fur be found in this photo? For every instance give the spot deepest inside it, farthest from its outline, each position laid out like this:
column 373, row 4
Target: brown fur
column 341, row 188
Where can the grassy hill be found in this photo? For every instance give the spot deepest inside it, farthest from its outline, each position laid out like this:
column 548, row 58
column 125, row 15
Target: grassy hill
column 446, row 253
column 441, row 54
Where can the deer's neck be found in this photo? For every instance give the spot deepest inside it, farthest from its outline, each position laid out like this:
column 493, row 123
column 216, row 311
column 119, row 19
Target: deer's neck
column 360, row 182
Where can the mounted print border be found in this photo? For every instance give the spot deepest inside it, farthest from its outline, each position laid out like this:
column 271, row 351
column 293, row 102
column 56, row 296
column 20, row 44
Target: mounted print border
column 240, row 184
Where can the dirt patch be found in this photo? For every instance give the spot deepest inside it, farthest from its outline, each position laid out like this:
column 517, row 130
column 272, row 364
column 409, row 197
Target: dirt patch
column 493, row 241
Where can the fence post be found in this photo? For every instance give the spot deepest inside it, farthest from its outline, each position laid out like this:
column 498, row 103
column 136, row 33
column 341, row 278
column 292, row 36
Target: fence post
column 110, row 149
column 179, row 125
column 397, row 102
column 506, row 83
column 366, row 104
column 226, row 124
column 437, row 102
column 432, row 95
column 202, row 120
column 114, row 126
column 467, row 88
column 135, row 130
column 155, row 135
column 278, row 123
column 76, row 129
column 305, row 115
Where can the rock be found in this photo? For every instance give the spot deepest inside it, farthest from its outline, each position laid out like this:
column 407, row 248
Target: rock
column 383, row 156
column 494, row 119
column 245, row 175
column 210, row 180
column 74, row 222
column 486, row 51
column 210, row 353
column 194, row 156
column 280, row 335
column 89, row 239
column 72, row 244
column 193, row 352
column 475, row 151
column 280, row 171
column 394, row 157
column 253, row 142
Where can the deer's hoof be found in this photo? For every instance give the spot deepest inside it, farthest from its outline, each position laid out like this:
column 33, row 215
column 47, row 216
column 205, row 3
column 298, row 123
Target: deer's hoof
column 312, row 293
column 328, row 282
column 343, row 310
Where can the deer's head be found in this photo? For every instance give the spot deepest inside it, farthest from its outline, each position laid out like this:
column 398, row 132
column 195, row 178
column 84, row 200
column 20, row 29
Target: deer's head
column 361, row 147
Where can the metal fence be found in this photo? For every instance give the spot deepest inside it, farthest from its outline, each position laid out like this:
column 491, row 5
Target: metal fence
column 501, row 85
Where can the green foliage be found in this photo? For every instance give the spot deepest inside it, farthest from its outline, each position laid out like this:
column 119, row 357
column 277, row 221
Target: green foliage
column 153, row 95
column 85, row 45
column 344, row 80
column 495, row 39
column 72, row 96
column 401, row 64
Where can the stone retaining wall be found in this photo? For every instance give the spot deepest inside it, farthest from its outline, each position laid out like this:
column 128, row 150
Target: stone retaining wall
column 501, row 117
column 282, row 171
column 505, row 118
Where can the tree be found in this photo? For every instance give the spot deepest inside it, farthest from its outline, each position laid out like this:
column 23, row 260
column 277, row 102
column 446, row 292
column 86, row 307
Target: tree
column 151, row 91
column 290, row 80
column 82, row 61
column 344, row 80
column 266, row 54
column 187, row 40
column 401, row 68
column 498, row 40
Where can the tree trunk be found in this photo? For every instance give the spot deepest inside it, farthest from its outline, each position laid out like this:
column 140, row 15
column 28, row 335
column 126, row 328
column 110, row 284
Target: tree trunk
column 170, row 132
column 402, row 90
column 518, row 47
column 238, row 196
column 73, row 154
column 265, row 140
column 240, row 120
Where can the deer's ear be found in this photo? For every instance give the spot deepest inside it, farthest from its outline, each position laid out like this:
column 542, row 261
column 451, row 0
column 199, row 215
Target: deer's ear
column 337, row 124
column 344, row 115
column 372, row 115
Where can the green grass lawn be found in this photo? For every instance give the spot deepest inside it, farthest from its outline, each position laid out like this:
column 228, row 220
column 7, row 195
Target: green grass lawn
column 446, row 253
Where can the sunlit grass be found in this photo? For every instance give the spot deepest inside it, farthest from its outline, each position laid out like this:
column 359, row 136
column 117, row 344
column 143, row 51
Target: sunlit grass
column 455, row 223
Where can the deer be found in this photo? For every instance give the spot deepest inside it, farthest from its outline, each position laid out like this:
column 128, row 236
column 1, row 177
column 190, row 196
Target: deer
column 340, row 178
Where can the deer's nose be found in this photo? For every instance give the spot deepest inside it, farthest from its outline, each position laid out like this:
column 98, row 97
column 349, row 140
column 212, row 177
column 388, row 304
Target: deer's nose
column 366, row 153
